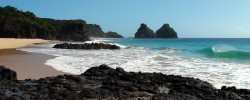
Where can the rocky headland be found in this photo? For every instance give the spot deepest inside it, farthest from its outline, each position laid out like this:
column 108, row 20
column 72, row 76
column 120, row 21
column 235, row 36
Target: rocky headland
column 18, row 24
column 145, row 32
column 86, row 46
column 164, row 32
column 103, row 82
column 113, row 35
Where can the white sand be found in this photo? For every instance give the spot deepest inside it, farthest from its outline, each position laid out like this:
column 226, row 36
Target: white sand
column 7, row 43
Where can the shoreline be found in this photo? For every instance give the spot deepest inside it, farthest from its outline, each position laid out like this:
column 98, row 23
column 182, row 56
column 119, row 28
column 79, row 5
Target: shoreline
column 27, row 65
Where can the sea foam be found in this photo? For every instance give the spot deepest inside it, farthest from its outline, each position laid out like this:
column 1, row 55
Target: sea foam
column 143, row 59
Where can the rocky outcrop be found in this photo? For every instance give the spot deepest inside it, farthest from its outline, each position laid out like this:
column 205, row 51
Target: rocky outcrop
column 113, row 35
column 103, row 82
column 144, row 32
column 7, row 74
column 18, row 24
column 166, row 32
column 86, row 46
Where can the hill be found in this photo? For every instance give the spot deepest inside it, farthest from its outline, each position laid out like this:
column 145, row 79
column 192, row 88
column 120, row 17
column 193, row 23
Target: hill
column 18, row 24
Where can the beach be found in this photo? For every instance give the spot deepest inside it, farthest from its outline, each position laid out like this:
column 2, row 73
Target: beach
column 27, row 65
column 7, row 43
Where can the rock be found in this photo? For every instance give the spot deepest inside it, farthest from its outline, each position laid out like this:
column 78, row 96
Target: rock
column 103, row 82
column 86, row 46
column 7, row 74
column 176, row 96
column 166, row 32
column 120, row 70
column 90, row 94
column 144, row 32
column 223, row 88
column 234, row 96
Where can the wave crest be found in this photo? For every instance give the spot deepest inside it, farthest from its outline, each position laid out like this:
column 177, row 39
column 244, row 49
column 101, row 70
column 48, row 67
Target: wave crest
column 226, row 51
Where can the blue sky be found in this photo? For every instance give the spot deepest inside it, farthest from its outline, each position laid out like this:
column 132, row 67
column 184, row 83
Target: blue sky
column 189, row 18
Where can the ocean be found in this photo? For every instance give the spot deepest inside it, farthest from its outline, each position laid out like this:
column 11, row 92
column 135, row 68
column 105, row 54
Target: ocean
column 220, row 61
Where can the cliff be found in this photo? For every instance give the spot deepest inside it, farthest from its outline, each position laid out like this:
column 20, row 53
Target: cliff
column 166, row 32
column 144, row 32
column 18, row 24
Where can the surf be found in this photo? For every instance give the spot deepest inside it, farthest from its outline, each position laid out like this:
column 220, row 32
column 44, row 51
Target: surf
column 226, row 51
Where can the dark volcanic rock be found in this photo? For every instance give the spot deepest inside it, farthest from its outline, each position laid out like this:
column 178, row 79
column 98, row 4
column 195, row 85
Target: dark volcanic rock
column 145, row 32
column 7, row 74
column 86, row 46
column 103, row 82
column 166, row 32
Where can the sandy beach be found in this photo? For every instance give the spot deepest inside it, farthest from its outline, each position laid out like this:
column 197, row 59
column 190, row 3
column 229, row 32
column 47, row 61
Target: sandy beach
column 27, row 65
column 7, row 43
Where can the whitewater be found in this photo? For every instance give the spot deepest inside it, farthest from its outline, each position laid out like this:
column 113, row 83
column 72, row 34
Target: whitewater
column 222, row 62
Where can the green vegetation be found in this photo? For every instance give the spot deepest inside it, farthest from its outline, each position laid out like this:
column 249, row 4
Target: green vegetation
column 12, row 14
column 19, row 24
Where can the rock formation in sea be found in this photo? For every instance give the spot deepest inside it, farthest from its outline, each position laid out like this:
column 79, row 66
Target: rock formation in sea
column 166, row 32
column 144, row 32
column 86, row 46
column 103, row 82
column 18, row 24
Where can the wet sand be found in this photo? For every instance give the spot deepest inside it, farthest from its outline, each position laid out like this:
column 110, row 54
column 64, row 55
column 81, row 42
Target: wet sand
column 27, row 65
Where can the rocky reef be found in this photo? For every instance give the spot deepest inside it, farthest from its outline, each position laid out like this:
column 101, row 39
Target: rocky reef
column 86, row 46
column 103, row 82
column 18, row 24
column 144, row 32
column 166, row 32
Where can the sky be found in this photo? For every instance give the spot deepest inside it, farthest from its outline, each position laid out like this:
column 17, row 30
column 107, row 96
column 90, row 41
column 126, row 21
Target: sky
column 189, row 18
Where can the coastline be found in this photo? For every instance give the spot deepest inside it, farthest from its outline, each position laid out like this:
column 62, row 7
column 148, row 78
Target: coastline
column 27, row 65
column 100, row 82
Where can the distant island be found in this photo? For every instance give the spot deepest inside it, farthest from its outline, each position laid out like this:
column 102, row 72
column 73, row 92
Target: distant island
column 164, row 32
column 18, row 24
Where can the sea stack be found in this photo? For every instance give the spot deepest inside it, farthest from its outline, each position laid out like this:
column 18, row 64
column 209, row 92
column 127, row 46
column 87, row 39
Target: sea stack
column 144, row 32
column 166, row 32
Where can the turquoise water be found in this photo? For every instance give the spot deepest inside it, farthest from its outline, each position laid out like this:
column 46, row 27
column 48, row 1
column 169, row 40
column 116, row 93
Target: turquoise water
column 218, row 61
column 225, row 49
